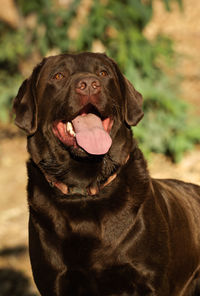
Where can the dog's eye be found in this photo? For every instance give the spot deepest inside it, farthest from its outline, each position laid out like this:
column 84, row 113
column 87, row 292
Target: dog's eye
column 103, row 73
column 58, row 76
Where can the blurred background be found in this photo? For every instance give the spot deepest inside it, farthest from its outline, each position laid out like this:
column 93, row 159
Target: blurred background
column 156, row 44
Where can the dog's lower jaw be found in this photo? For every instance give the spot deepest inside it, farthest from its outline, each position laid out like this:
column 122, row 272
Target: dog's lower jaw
column 100, row 169
column 91, row 190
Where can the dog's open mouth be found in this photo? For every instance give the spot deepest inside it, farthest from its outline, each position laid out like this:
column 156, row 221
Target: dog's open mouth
column 87, row 130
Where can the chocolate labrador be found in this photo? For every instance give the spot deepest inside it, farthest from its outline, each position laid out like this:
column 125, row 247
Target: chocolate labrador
column 99, row 224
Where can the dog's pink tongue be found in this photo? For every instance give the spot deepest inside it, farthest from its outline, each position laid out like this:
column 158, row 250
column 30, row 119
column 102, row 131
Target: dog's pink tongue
column 91, row 135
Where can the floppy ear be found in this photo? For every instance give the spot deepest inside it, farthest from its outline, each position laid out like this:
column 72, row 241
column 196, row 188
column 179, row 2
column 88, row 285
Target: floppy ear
column 133, row 99
column 25, row 104
column 133, row 104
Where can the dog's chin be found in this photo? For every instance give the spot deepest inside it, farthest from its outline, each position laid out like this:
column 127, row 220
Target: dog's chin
column 80, row 154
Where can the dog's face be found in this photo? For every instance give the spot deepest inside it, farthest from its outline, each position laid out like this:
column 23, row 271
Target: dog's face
column 80, row 101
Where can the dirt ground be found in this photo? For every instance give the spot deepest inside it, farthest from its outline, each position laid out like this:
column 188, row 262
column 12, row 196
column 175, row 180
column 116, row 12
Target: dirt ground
column 15, row 271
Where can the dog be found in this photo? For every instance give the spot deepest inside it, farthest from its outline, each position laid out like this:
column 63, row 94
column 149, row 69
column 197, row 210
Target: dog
column 99, row 224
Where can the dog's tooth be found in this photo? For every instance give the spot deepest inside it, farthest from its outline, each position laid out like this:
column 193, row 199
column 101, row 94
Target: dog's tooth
column 70, row 129
column 69, row 126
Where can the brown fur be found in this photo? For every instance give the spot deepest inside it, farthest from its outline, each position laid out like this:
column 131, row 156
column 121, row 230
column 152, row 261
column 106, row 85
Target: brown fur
column 137, row 236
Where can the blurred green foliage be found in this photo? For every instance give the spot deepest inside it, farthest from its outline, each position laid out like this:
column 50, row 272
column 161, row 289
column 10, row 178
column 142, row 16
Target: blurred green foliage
column 119, row 26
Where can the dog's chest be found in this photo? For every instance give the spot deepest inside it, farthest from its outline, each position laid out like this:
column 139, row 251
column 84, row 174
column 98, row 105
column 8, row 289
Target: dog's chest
column 88, row 238
column 116, row 226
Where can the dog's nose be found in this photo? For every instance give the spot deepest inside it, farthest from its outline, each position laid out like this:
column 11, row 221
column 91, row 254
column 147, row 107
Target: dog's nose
column 88, row 86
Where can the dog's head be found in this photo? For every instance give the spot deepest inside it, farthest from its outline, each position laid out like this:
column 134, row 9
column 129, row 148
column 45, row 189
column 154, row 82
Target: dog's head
column 81, row 99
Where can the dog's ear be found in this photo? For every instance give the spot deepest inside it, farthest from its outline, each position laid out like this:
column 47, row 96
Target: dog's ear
column 133, row 99
column 25, row 103
column 133, row 104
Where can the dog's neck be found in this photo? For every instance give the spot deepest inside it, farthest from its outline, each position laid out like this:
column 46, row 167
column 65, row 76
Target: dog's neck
column 132, row 174
column 90, row 190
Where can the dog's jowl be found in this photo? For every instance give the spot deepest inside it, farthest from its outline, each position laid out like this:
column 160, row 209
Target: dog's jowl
column 99, row 224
